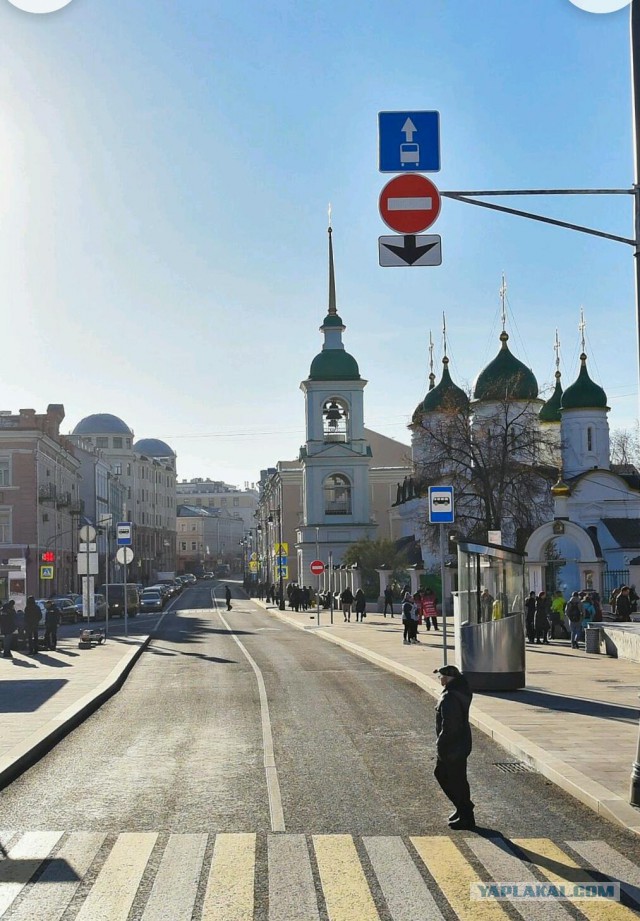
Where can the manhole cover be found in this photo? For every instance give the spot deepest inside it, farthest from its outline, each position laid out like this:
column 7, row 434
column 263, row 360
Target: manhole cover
column 514, row 767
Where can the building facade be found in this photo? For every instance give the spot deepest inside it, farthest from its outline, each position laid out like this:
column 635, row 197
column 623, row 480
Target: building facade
column 205, row 493
column 206, row 538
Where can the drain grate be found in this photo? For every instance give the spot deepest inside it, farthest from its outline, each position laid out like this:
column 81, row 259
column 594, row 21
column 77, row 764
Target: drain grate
column 514, row 767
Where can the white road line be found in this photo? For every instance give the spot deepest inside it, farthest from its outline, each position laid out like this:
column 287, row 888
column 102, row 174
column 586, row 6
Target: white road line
column 608, row 861
column 48, row 898
column 410, row 204
column 114, row 890
column 271, row 772
column 292, row 891
column 21, row 863
column 403, row 887
column 176, row 883
column 230, row 889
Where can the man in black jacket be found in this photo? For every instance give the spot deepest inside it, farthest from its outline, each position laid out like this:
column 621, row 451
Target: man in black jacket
column 8, row 627
column 453, row 745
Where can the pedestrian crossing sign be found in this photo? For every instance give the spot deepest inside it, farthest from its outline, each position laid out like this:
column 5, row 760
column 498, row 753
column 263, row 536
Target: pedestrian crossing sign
column 283, row 571
column 281, row 549
column 46, row 572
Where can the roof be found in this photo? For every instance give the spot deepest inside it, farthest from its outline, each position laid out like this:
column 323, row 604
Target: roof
column 102, row 424
column 506, row 377
column 194, row 511
column 550, row 411
column 444, row 396
column 625, row 531
column 584, row 393
column 334, row 365
column 153, row 447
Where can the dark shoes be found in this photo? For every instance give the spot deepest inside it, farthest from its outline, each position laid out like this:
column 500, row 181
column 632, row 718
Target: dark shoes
column 462, row 820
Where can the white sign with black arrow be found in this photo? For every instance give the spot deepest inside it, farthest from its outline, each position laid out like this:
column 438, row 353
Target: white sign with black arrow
column 410, row 250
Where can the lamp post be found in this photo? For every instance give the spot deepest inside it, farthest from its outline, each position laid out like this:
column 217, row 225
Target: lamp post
column 279, row 557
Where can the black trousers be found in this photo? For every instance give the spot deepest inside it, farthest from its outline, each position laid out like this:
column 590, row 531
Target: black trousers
column 452, row 777
column 32, row 638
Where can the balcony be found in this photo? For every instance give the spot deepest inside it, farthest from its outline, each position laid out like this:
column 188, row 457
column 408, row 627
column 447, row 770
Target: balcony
column 63, row 499
column 47, row 493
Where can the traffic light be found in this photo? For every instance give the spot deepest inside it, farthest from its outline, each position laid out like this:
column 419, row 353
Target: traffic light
column 48, row 556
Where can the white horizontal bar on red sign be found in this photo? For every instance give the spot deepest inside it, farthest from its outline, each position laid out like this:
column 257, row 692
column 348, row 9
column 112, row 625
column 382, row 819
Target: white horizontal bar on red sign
column 410, row 204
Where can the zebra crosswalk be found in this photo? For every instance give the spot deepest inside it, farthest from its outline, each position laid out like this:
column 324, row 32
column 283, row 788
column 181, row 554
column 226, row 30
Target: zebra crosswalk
column 156, row 876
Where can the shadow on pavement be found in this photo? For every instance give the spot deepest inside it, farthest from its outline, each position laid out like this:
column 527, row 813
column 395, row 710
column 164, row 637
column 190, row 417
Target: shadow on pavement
column 21, row 871
column 563, row 704
column 28, row 695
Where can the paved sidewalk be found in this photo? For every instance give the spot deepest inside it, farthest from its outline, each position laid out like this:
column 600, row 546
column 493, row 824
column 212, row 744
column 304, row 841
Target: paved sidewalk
column 576, row 722
column 43, row 697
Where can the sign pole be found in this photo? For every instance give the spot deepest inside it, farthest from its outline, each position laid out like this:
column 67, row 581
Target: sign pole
column 106, row 570
column 126, row 611
column 444, row 613
column 331, row 583
column 317, row 581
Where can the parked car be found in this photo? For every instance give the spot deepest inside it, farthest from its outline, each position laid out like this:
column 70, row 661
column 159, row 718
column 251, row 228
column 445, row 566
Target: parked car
column 100, row 607
column 73, row 597
column 68, row 612
column 116, row 598
column 189, row 576
column 170, row 584
column 160, row 587
column 151, row 600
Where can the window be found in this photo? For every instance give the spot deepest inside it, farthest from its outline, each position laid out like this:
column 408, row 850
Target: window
column 334, row 420
column 5, row 471
column 183, row 545
column 194, row 546
column 128, row 442
column 337, row 495
column 223, row 501
column 236, row 502
column 117, row 442
column 589, row 438
column 102, row 441
column 117, row 469
column 128, row 469
column 5, row 525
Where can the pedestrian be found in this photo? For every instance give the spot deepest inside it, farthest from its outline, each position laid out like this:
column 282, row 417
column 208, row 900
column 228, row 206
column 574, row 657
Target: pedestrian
column 260, row 591
column 416, row 616
column 388, row 600
column 272, row 592
column 51, row 620
column 407, row 619
column 294, row 598
column 8, row 627
column 574, row 616
column 542, row 619
column 346, row 600
column 453, row 745
column 558, row 629
column 306, row 597
column 595, row 599
column 227, row 597
column 588, row 611
column 430, row 609
column 32, row 615
column 530, row 617
column 623, row 606
column 361, row 605
column 633, row 598
column 486, row 605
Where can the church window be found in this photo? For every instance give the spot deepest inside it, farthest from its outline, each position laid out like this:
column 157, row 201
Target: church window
column 334, row 420
column 589, row 438
column 337, row 495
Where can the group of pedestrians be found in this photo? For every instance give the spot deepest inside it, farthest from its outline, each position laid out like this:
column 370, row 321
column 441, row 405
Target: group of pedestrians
column 624, row 603
column 419, row 608
column 14, row 624
column 299, row 596
column 545, row 616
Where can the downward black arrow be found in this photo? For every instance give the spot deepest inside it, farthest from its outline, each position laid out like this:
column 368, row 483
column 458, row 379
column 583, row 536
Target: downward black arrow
column 410, row 253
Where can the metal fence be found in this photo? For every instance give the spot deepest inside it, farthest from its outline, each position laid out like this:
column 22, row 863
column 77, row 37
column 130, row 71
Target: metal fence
column 613, row 578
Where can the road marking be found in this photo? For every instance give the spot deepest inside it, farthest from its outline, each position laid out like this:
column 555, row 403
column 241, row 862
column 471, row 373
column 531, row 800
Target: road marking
column 619, row 868
column 271, row 771
column 176, row 883
column 230, row 888
column 114, row 890
column 50, row 896
column 292, row 891
column 557, row 866
column 454, row 874
column 344, row 884
column 502, row 864
column 403, row 887
column 22, row 861
column 410, row 204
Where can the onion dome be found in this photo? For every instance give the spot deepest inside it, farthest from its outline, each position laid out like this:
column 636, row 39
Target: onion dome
column 560, row 489
column 550, row 412
column 153, row 447
column 102, row 424
column 506, row 377
column 446, row 395
column 584, row 393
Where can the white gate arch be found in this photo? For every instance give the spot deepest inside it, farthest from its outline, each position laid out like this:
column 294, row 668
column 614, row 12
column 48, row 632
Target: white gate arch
column 590, row 565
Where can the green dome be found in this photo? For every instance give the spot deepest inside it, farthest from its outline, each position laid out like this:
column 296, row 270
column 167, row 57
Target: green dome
column 584, row 393
column 550, row 412
column 332, row 319
column 505, row 378
column 334, row 365
column 446, row 395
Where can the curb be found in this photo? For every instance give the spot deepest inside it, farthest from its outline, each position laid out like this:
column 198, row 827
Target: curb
column 27, row 753
column 575, row 783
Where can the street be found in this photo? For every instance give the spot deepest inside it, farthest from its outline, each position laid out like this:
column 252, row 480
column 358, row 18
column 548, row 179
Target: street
column 170, row 778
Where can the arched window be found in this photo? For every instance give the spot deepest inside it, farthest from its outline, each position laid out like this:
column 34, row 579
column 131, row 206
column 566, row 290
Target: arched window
column 335, row 417
column 589, row 438
column 337, row 495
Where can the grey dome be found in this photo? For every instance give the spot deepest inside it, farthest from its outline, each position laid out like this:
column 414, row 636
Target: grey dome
column 102, row 424
column 153, row 447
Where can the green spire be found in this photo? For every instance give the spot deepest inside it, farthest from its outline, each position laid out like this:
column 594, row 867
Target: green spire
column 584, row 393
column 550, row 412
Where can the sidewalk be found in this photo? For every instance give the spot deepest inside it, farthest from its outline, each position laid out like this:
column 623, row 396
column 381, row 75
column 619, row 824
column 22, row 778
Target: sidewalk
column 576, row 722
column 44, row 697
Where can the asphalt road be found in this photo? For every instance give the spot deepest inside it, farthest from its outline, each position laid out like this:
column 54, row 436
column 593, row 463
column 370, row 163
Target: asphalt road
column 181, row 747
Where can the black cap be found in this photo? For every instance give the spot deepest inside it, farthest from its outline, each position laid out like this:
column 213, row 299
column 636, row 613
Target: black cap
column 449, row 671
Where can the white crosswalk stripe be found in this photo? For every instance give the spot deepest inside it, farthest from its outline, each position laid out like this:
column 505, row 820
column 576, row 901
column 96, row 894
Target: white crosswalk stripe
column 48, row 875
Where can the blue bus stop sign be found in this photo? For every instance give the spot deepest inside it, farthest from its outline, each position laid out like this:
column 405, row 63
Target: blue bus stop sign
column 441, row 505
column 409, row 142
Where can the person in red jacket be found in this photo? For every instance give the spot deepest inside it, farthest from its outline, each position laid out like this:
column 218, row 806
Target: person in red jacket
column 430, row 609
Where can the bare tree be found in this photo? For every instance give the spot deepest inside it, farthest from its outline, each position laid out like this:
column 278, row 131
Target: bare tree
column 500, row 463
column 625, row 446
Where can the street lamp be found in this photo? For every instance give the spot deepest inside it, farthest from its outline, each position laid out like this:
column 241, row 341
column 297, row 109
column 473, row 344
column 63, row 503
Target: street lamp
column 279, row 556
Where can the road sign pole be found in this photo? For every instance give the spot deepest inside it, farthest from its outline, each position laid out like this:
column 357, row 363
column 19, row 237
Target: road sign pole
column 317, row 580
column 330, row 558
column 126, row 609
column 442, row 604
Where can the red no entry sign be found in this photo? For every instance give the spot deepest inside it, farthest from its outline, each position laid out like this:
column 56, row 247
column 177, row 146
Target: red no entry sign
column 409, row 203
column 316, row 567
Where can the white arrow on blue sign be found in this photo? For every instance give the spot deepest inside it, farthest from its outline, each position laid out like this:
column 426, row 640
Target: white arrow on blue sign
column 409, row 142
column 441, row 505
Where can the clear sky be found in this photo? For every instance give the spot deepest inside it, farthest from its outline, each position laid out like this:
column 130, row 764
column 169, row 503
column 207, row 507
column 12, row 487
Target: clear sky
column 165, row 171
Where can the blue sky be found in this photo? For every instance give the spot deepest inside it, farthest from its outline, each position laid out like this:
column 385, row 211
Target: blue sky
column 166, row 169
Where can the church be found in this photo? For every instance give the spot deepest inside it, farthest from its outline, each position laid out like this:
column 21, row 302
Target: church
column 590, row 535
